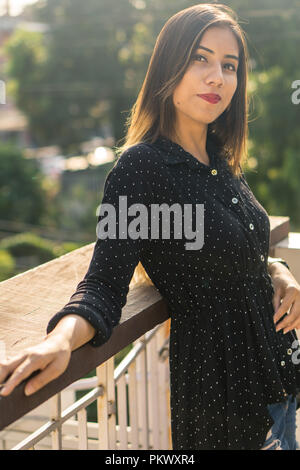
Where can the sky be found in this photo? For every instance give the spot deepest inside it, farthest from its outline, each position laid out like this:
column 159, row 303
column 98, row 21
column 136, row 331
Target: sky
column 16, row 6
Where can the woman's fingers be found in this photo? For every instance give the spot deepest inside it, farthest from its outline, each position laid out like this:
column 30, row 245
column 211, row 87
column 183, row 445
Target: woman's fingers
column 276, row 300
column 291, row 304
column 292, row 320
column 28, row 365
column 50, row 372
column 7, row 367
column 283, row 308
column 49, row 358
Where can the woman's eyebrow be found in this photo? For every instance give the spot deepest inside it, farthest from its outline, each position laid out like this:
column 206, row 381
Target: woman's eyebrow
column 226, row 55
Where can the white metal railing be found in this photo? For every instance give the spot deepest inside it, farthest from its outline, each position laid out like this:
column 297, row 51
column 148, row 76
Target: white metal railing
column 137, row 388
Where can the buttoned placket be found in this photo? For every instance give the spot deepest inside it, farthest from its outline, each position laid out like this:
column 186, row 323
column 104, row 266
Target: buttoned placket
column 239, row 204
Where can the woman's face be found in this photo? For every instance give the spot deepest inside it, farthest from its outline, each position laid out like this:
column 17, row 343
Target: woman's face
column 209, row 72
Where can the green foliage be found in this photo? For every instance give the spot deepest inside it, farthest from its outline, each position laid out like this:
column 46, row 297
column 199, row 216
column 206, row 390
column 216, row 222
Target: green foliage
column 29, row 244
column 33, row 249
column 22, row 195
column 77, row 209
column 275, row 164
column 82, row 75
column 7, row 265
column 28, row 57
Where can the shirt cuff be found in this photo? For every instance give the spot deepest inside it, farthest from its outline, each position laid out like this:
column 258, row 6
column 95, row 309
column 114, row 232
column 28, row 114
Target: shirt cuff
column 102, row 333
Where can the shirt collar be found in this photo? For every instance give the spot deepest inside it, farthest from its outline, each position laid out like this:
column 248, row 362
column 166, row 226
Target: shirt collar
column 172, row 154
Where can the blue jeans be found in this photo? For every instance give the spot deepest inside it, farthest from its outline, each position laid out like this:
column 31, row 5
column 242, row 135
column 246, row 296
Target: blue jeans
column 282, row 435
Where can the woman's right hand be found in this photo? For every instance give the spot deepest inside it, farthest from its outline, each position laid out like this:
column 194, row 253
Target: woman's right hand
column 51, row 357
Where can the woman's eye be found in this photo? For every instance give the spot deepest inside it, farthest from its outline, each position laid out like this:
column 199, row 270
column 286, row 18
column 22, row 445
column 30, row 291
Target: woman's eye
column 199, row 56
column 233, row 67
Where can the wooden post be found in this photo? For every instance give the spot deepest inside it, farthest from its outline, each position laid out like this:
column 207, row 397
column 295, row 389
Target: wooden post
column 133, row 407
column 153, row 392
column 56, row 416
column 122, row 413
column 105, row 406
column 142, row 393
column 82, row 430
column 163, row 388
column 111, row 396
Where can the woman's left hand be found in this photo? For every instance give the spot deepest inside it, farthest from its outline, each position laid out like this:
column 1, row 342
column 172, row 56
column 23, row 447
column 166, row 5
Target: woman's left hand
column 286, row 297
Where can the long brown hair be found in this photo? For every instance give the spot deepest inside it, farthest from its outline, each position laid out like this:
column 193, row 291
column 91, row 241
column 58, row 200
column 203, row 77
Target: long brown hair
column 153, row 113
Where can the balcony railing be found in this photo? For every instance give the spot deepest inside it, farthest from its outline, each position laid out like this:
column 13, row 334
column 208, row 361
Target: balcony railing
column 132, row 399
column 148, row 418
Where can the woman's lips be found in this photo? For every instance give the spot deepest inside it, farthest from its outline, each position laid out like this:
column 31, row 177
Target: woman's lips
column 214, row 99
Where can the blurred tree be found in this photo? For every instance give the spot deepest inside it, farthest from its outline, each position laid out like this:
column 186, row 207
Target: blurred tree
column 81, row 81
column 26, row 69
column 22, row 197
column 273, row 167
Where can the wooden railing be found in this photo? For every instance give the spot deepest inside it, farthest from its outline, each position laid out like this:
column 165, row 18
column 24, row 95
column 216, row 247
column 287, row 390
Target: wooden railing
column 142, row 373
column 132, row 399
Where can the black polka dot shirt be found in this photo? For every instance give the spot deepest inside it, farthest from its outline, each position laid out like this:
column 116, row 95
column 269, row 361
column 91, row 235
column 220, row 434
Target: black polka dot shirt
column 227, row 362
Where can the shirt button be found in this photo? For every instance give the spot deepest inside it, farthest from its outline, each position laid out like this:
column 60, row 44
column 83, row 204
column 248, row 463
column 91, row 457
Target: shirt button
column 251, row 226
column 214, row 172
column 282, row 363
column 234, row 200
column 290, row 351
column 262, row 257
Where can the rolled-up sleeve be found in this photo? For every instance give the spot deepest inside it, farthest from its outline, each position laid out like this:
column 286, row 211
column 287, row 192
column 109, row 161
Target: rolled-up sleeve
column 102, row 293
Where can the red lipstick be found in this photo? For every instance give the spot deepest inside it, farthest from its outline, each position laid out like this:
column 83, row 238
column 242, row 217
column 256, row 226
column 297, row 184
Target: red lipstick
column 210, row 97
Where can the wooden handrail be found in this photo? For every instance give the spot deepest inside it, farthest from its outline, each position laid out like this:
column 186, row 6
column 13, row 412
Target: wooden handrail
column 280, row 228
column 29, row 300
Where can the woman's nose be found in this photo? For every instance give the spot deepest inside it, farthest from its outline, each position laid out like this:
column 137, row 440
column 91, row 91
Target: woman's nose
column 215, row 76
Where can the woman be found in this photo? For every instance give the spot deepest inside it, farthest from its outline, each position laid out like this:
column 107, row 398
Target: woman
column 233, row 372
